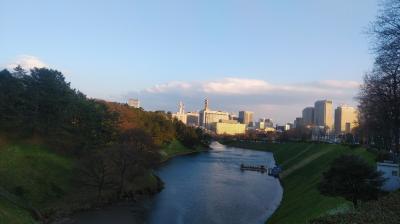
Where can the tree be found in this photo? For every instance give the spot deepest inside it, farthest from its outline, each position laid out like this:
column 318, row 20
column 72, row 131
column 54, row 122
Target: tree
column 380, row 93
column 131, row 156
column 11, row 101
column 95, row 172
column 352, row 178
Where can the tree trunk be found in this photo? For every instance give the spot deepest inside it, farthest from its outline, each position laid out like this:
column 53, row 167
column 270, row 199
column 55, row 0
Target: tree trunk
column 355, row 203
column 100, row 188
column 121, row 184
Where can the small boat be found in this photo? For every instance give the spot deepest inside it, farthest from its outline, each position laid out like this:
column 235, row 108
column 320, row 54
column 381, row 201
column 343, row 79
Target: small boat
column 260, row 168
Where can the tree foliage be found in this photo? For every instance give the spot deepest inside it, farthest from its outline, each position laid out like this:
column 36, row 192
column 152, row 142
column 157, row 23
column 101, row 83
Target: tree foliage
column 385, row 210
column 114, row 143
column 42, row 104
column 352, row 178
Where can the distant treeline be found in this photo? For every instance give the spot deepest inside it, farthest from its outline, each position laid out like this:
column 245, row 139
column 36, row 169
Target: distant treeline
column 114, row 143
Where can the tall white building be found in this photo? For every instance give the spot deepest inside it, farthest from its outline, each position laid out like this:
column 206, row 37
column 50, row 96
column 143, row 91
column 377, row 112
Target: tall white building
column 207, row 116
column 180, row 115
column 192, row 118
column 323, row 114
column 134, row 103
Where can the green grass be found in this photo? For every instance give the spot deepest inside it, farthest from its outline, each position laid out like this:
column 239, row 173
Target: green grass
column 38, row 177
column 11, row 214
column 384, row 210
column 176, row 148
column 303, row 165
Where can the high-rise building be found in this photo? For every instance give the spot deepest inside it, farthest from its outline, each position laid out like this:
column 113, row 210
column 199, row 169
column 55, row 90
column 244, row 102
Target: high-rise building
column 192, row 118
column 264, row 124
column 268, row 123
column 180, row 115
column 298, row 123
column 260, row 125
column 323, row 114
column 207, row 116
column 246, row 117
column 134, row 103
column 283, row 128
column 308, row 116
column 346, row 118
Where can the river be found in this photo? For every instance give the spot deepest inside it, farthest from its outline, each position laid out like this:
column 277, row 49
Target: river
column 206, row 187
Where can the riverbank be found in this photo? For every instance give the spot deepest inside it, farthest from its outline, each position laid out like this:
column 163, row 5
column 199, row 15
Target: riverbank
column 176, row 148
column 42, row 179
column 303, row 165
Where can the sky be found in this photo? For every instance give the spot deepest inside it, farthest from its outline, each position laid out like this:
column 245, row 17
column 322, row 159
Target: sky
column 267, row 56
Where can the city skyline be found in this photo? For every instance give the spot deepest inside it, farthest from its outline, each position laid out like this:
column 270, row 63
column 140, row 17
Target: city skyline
column 267, row 61
column 308, row 118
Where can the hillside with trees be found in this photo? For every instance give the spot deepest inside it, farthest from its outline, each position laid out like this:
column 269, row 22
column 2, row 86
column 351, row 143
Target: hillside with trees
column 61, row 151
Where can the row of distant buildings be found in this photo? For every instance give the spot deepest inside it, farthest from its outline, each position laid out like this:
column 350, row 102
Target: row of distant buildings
column 321, row 116
column 218, row 122
column 342, row 120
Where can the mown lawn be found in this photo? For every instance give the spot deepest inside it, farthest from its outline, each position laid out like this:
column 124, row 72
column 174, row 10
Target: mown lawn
column 303, row 165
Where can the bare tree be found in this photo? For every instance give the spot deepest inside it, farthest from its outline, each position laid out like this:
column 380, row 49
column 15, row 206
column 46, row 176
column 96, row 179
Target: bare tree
column 134, row 154
column 380, row 94
column 95, row 173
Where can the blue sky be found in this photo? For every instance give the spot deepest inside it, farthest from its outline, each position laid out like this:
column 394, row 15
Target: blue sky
column 119, row 49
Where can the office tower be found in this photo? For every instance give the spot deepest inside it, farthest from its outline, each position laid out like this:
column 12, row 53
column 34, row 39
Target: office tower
column 323, row 114
column 180, row 115
column 246, row 117
column 192, row 118
column 268, row 123
column 346, row 118
column 308, row 116
column 207, row 116
column 298, row 123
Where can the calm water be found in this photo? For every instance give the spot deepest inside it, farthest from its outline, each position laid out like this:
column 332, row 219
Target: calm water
column 203, row 188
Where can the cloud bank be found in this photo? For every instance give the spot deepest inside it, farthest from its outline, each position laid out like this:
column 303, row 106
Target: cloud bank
column 281, row 102
column 27, row 62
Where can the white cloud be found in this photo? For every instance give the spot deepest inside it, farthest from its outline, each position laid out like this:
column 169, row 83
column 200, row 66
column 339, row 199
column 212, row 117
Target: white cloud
column 236, row 86
column 340, row 84
column 171, row 86
column 26, row 62
column 282, row 102
column 239, row 86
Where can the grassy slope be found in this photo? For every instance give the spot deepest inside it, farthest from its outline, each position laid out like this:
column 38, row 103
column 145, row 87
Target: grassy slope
column 10, row 213
column 176, row 148
column 384, row 210
column 42, row 178
column 37, row 176
column 303, row 164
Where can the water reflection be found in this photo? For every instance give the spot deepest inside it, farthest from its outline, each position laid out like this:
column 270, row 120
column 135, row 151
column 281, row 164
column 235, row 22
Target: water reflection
column 210, row 188
column 203, row 188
